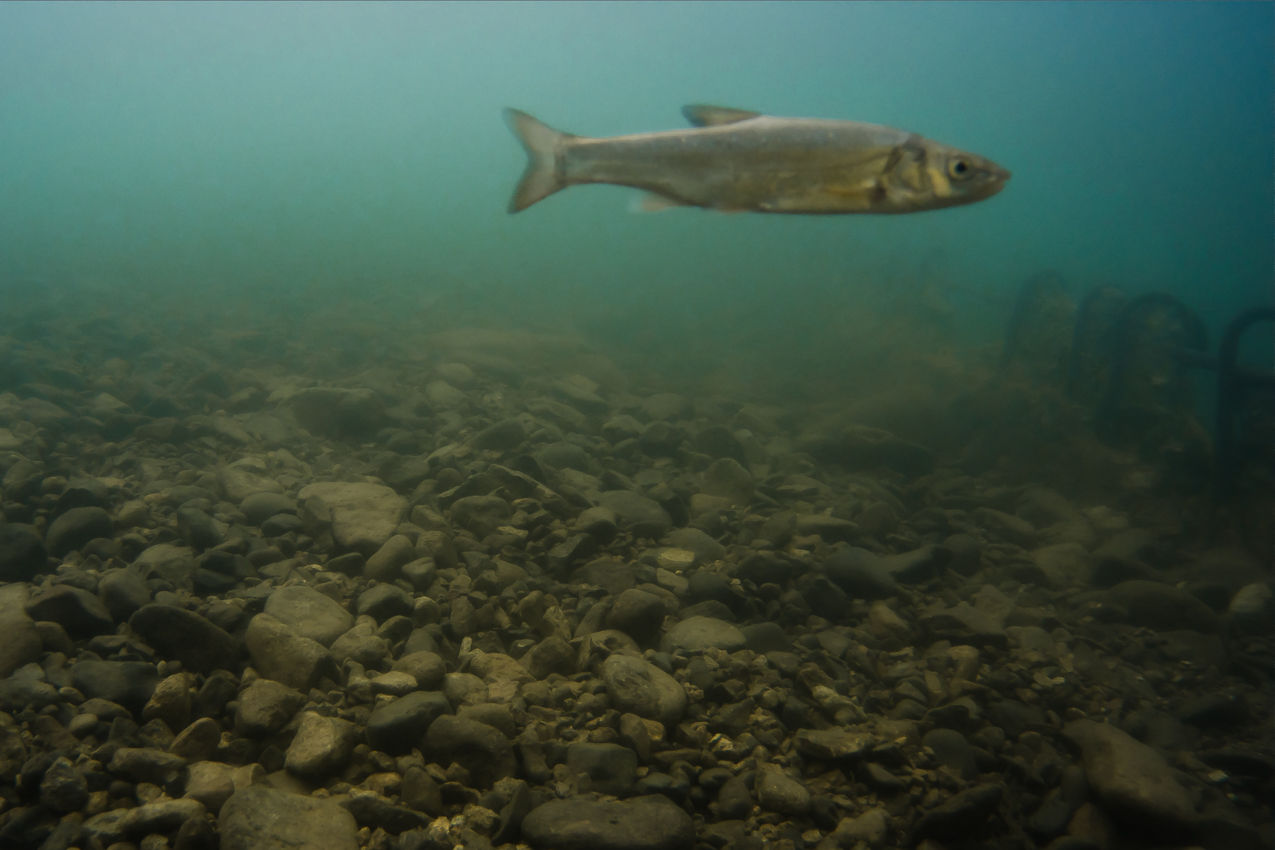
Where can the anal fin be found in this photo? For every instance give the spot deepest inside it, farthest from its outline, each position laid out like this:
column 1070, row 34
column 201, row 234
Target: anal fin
column 649, row 202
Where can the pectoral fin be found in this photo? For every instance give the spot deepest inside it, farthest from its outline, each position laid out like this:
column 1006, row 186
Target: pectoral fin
column 712, row 116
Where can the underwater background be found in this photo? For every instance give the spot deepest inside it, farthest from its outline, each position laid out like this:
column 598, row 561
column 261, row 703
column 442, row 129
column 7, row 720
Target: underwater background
column 237, row 154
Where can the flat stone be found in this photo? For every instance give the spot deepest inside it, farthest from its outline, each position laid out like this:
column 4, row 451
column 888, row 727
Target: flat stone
column 186, row 636
column 309, row 613
column 79, row 612
column 481, row 515
column 260, row 818
column 160, row 816
column 364, row 516
column 696, row 634
column 706, row 549
column 644, row 823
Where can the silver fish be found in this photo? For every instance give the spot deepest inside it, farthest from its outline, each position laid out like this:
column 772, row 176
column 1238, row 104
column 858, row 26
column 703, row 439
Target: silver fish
column 737, row 161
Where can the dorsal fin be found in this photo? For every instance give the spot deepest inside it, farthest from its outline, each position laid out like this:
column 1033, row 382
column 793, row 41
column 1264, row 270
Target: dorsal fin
column 712, row 116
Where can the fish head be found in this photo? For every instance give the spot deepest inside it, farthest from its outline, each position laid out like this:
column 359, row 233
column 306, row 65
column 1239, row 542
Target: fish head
column 957, row 177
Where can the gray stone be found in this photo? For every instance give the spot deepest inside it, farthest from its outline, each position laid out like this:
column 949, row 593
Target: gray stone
column 260, row 818
column 79, row 612
column 551, row 655
column 642, row 516
column 398, row 726
column 636, row 686
column 338, row 412
column 475, row 746
column 425, row 666
column 387, row 562
column 364, row 516
column 265, row 706
column 361, row 644
column 177, row 633
column 728, row 479
column 960, row 815
column 309, row 613
column 283, row 655
column 871, row 828
column 706, row 549
column 481, row 515
column 503, row 436
column 1129, row 777
column 238, row 482
column 22, row 552
column 198, row 529
column 140, row 764
column 128, row 683
column 638, row 614
column 697, row 634
column 171, row 563
column 385, row 601
column 610, row 767
column 1161, row 606
column 644, row 823
column 779, row 792
column 63, row 788
column 75, row 528
column 259, row 507
column 321, row 747
column 123, row 591
column 953, row 752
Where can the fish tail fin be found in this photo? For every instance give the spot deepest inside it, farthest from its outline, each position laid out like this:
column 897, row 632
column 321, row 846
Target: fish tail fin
column 542, row 177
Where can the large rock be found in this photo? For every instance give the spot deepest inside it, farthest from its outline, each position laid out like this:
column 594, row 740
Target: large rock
column 281, row 654
column 336, row 412
column 186, row 636
column 79, row 612
column 364, row 516
column 1161, row 606
column 75, row 528
column 1132, row 780
column 636, row 686
column 126, row 683
column 309, row 613
column 477, row 747
column 644, row 823
column 22, row 552
column 260, row 818
column 398, row 726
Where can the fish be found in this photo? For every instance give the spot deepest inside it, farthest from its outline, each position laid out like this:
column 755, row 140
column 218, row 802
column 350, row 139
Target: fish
column 733, row 160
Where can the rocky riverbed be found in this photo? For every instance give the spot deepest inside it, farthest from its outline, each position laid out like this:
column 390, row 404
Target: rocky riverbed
column 483, row 593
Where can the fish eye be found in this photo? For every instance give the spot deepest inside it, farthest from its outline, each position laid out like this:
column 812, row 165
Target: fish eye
column 958, row 168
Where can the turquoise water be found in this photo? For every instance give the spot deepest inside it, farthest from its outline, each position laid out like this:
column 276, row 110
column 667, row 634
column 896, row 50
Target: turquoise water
column 294, row 153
